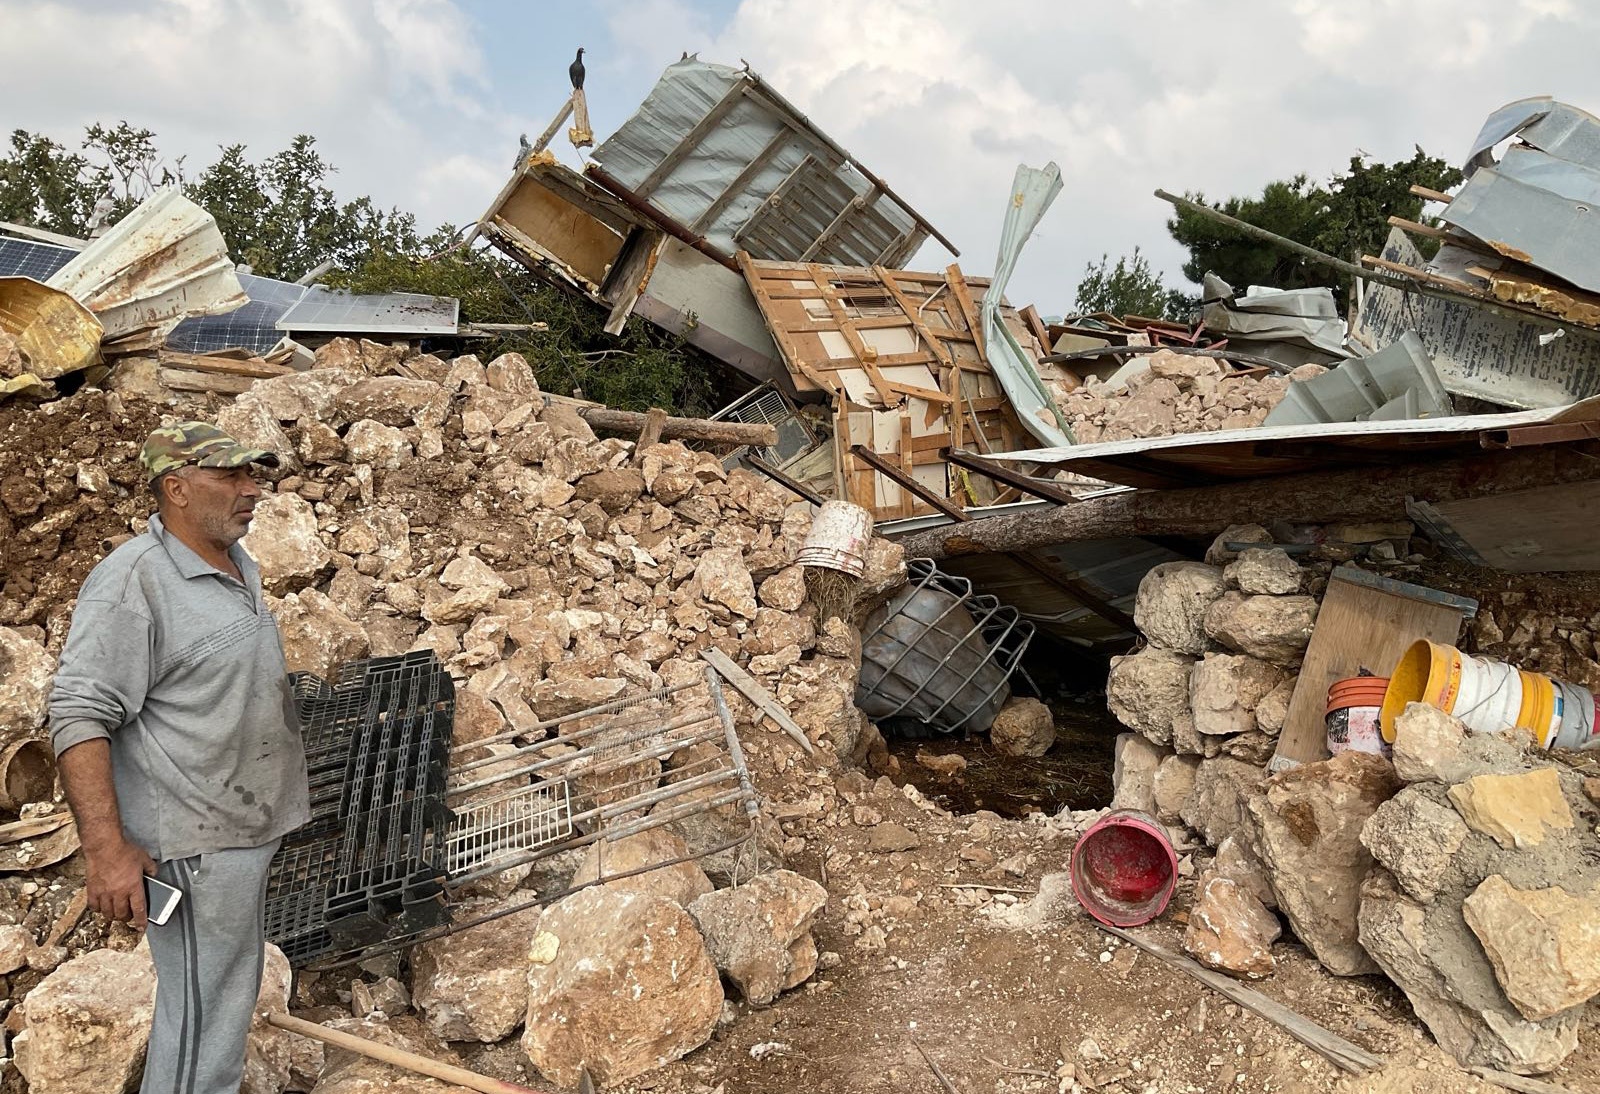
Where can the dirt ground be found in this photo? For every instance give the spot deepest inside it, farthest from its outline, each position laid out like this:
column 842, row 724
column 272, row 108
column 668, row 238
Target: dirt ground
column 1004, row 1008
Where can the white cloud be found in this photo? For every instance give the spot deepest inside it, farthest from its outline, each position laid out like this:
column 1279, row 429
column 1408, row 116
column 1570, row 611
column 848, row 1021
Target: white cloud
column 940, row 97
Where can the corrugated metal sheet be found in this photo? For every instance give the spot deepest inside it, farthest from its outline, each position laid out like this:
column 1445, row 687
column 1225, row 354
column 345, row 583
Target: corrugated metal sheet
column 414, row 315
column 162, row 262
column 718, row 152
column 1198, row 459
column 1530, row 224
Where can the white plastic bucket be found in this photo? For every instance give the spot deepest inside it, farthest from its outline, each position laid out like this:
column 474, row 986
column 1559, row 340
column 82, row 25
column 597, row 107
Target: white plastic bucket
column 1490, row 696
column 838, row 538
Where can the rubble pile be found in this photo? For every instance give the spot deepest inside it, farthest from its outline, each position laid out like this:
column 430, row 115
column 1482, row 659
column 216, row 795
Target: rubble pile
column 1464, row 867
column 1176, row 393
column 437, row 504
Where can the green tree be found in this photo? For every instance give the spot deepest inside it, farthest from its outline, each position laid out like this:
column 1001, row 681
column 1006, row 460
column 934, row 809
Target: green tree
column 1347, row 219
column 45, row 185
column 1130, row 287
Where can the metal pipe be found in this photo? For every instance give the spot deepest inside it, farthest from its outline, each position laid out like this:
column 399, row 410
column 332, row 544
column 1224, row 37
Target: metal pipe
column 686, row 720
column 663, row 749
column 735, row 749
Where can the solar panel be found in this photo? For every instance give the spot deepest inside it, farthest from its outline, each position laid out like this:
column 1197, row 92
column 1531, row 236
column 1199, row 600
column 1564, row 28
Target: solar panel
column 325, row 310
column 25, row 258
column 252, row 327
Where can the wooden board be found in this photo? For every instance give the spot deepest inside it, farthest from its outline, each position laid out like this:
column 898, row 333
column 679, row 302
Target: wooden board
column 1550, row 529
column 1358, row 627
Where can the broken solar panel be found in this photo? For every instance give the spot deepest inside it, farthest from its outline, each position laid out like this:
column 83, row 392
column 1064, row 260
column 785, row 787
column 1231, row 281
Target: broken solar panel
column 325, row 311
column 26, row 258
column 252, row 327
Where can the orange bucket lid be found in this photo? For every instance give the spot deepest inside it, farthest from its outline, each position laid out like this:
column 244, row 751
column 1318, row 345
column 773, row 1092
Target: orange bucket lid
column 1357, row 691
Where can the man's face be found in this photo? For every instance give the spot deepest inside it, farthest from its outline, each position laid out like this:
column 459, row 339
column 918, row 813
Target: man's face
column 219, row 502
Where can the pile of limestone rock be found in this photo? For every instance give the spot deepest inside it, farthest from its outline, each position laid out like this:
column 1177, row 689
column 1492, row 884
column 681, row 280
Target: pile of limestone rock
column 1177, row 393
column 1467, row 870
column 446, row 505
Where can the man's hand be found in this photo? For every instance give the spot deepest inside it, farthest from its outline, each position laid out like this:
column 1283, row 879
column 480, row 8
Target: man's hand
column 115, row 880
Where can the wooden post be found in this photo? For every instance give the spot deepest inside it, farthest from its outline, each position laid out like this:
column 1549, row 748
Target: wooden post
column 398, row 1057
column 650, row 434
column 1361, row 493
column 756, row 434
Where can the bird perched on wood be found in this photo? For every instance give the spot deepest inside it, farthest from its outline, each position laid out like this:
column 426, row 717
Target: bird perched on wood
column 523, row 148
column 575, row 71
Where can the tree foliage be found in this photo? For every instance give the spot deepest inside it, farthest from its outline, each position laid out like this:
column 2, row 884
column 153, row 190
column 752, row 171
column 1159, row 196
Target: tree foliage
column 281, row 217
column 1130, row 287
column 1346, row 219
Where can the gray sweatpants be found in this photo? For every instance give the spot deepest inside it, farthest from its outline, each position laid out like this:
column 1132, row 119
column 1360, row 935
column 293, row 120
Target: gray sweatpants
column 209, row 958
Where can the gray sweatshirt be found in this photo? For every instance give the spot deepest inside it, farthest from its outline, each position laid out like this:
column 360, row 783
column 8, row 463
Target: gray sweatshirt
column 181, row 666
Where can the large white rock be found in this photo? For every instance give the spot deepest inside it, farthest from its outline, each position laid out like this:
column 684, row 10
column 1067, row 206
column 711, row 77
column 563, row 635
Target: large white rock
column 1214, row 808
column 1172, row 602
column 618, row 984
column 681, row 882
column 299, row 395
column 384, row 447
column 759, row 933
column 1133, row 775
column 1273, row 628
column 1307, row 825
column 1544, row 944
column 249, row 422
column 1147, row 690
column 1416, row 838
column 284, row 542
column 88, row 1024
column 26, row 669
column 317, row 636
column 723, row 579
column 1225, row 689
column 1174, row 782
column 473, row 985
column 1268, row 571
column 1229, row 930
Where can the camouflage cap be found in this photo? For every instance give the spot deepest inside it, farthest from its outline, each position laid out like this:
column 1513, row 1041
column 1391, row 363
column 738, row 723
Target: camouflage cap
column 196, row 444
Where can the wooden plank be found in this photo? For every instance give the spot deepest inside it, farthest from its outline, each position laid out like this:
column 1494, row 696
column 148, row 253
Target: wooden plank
column 253, row 367
column 1035, row 325
column 691, row 140
column 742, row 180
column 655, row 420
column 864, row 353
column 1520, row 1083
column 787, row 346
column 999, row 473
column 1341, row 1053
column 752, row 690
column 907, row 305
column 969, row 311
column 1431, row 195
column 1357, row 628
column 1547, row 529
column 219, row 383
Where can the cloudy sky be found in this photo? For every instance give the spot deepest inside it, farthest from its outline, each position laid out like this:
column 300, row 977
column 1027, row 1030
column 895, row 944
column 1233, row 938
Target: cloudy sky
column 419, row 102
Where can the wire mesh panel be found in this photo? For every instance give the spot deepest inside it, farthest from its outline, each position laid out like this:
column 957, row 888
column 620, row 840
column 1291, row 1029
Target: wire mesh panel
column 487, row 833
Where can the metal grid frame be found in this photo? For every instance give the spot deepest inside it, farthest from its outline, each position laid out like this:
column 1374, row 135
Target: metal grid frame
column 913, row 681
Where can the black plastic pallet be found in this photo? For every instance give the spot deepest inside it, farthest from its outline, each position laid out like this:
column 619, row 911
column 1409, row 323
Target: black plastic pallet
column 371, row 861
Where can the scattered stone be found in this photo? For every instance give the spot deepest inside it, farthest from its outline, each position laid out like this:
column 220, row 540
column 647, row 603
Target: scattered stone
column 1172, row 603
column 1273, row 710
column 1229, row 930
column 759, row 934
column 1307, row 825
column 630, row 987
column 317, row 637
column 471, row 986
column 723, row 579
column 681, row 882
column 88, row 1023
column 1220, row 555
column 1427, row 742
column 1133, row 774
column 284, row 542
column 1239, row 864
column 1273, row 628
column 383, row 447
column 1174, row 783
column 1259, row 571
column 1224, row 690
column 947, row 764
column 1024, row 727
column 1147, row 690
column 1514, row 809
column 1544, row 944
column 26, row 669
column 889, row 837
column 1416, row 839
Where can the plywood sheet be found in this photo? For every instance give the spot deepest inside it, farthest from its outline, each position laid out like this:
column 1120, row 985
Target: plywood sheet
column 1357, row 628
column 1550, row 529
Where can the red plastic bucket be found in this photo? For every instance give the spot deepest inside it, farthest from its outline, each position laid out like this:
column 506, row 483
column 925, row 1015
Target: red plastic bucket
column 1124, row 869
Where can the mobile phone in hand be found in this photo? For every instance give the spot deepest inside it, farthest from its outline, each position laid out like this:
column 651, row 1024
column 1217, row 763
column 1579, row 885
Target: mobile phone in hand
column 159, row 899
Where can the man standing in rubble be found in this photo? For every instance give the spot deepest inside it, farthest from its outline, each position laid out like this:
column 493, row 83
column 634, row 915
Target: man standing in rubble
column 179, row 749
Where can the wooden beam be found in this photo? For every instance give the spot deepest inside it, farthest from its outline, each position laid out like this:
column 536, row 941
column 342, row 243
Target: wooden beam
column 851, row 207
column 743, row 179
column 687, row 429
column 1363, row 493
column 1037, row 487
column 659, row 219
column 1431, row 195
column 793, row 485
column 691, row 140
column 550, row 131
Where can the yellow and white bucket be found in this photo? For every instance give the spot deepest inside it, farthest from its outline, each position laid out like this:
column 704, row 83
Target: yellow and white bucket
column 1490, row 696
